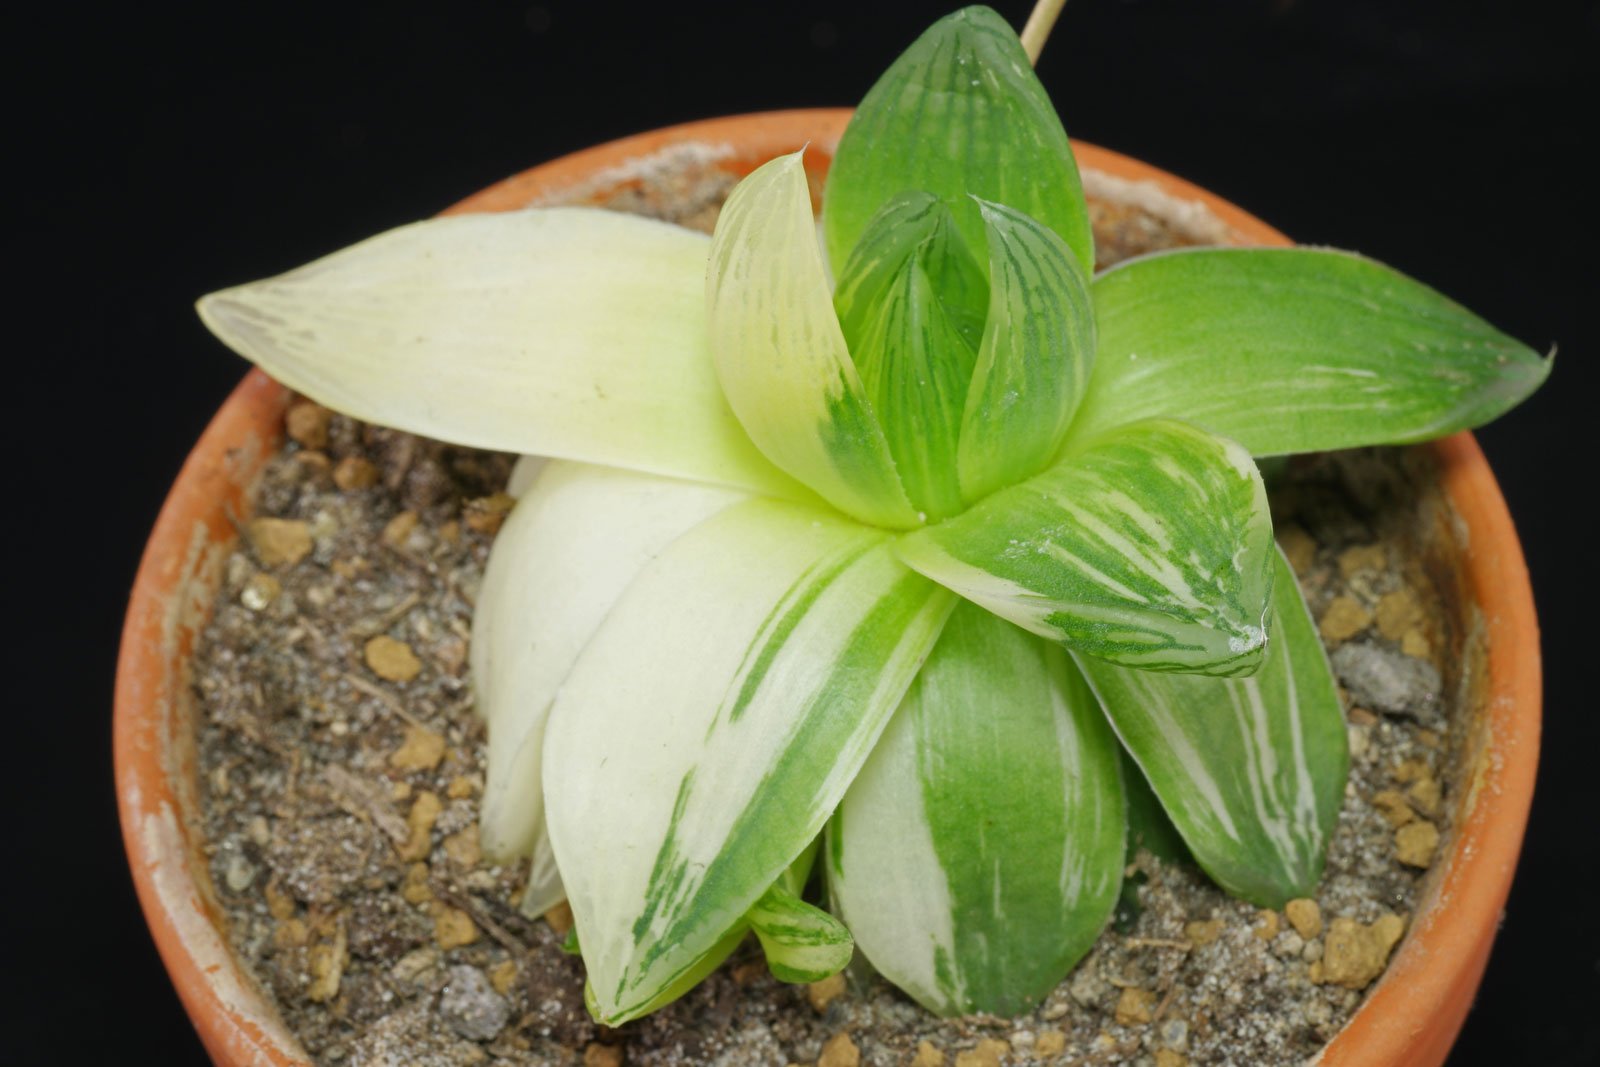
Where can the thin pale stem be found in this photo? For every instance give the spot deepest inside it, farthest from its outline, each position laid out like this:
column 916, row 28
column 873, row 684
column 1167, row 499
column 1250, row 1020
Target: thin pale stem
column 1041, row 20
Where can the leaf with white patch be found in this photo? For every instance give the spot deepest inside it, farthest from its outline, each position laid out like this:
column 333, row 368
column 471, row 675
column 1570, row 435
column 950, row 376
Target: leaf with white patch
column 1033, row 365
column 712, row 724
column 1151, row 548
column 1251, row 770
column 1295, row 350
column 568, row 332
column 978, row 854
column 781, row 355
column 960, row 114
column 802, row 942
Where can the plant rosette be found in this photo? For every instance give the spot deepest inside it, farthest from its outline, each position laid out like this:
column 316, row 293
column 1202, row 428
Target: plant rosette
column 878, row 566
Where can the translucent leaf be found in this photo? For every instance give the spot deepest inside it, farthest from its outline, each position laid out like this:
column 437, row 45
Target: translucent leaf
column 959, row 114
column 1151, row 548
column 802, row 943
column 977, row 856
column 1295, row 350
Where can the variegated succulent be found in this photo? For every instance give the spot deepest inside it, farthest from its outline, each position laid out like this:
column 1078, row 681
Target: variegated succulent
column 895, row 559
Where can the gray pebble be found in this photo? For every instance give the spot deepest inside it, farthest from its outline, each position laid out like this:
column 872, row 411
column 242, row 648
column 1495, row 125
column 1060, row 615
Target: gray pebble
column 1175, row 1034
column 471, row 1006
column 1388, row 681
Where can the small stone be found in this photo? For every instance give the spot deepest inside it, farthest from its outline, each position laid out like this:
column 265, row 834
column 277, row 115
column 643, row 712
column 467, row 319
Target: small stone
column 259, row 831
column 421, row 750
column 414, row 888
column 239, row 874
column 1203, row 931
column 450, row 532
column 461, row 787
column 462, row 848
column 1363, row 717
column 1358, row 739
column 1305, row 916
column 1386, row 681
column 1175, row 1033
column 391, row 660
column 470, row 1005
column 307, row 424
column 1344, row 618
column 928, row 1055
column 1393, row 806
column 1354, row 560
column 1288, row 945
column 1135, row 1006
column 987, row 1053
column 280, row 905
column 598, row 1055
column 1298, row 546
column 290, row 933
column 1398, row 612
column 485, row 514
column 279, row 542
column 749, row 972
column 1050, row 1043
column 1425, row 796
column 559, row 918
column 840, row 1051
column 825, row 992
column 424, row 812
column 353, row 472
column 1354, row 954
column 1312, row 952
column 399, row 528
column 401, row 790
column 1166, row 1057
column 1412, row 770
column 1266, row 924
column 260, row 591
column 326, row 962
column 503, row 975
column 414, row 964
column 453, row 928
column 1413, row 643
column 1415, row 843
column 1022, row 1041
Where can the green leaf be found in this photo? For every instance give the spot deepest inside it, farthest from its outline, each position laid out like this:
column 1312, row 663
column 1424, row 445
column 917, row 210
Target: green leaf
column 568, row 332
column 712, row 724
column 575, row 540
column 911, row 303
column 781, row 356
column 1151, row 548
column 1148, row 825
column 1295, row 350
column 1251, row 770
column 977, row 855
column 959, row 114
column 1038, row 348
column 802, row 943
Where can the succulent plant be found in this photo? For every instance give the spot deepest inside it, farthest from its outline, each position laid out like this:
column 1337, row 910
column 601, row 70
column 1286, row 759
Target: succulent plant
column 884, row 567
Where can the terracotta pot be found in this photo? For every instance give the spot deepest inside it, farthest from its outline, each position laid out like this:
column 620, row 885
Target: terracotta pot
column 1410, row 1019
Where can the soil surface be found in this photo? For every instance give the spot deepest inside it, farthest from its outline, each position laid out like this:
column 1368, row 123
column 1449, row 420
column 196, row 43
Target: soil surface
column 342, row 765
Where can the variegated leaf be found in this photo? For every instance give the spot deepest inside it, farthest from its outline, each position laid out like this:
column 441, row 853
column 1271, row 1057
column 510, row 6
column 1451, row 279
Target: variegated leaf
column 1295, row 350
column 712, row 724
column 959, row 114
column 1151, row 548
column 575, row 540
column 978, row 854
column 1251, row 770
column 569, row 332
column 911, row 302
column 781, row 356
column 1033, row 366
column 802, row 942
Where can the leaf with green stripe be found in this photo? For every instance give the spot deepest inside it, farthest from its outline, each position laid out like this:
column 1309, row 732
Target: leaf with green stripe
column 1151, row 548
column 911, row 302
column 575, row 540
column 1033, row 366
column 1295, row 350
column 712, row 724
column 781, row 355
column 802, row 942
column 959, row 114
column 1251, row 770
column 978, row 854
column 568, row 332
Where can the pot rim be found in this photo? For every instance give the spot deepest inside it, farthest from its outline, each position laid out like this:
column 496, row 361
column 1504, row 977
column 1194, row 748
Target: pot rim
column 1410, row 1018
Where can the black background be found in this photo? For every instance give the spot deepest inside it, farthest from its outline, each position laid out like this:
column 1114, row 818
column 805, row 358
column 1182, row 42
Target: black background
column 157, row 154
